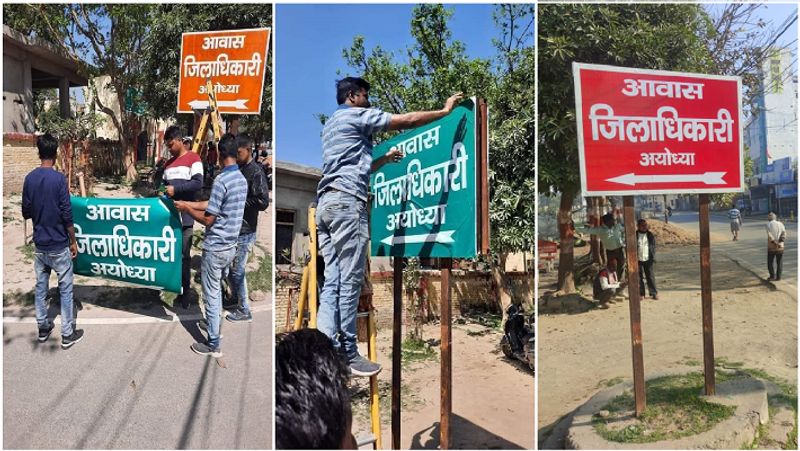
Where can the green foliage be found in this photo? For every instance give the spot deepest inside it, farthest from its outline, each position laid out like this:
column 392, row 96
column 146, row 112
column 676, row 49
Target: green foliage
column 162, row 52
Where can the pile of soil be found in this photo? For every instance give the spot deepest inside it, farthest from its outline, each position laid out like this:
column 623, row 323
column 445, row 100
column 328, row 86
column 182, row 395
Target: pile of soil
column 672, row 234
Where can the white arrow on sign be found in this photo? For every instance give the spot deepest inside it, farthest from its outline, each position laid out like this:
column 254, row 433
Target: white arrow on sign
column 709, row 178
column 440, row 237
column 203, row 104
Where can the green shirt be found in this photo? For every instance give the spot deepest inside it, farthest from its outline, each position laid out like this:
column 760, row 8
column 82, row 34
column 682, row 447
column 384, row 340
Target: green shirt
column 612, row 238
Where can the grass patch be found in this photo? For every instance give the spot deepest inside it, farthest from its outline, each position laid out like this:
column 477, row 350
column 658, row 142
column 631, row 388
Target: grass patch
column 491, row 320
column 610, row 382
column 417, row 351
column 27, row 251
column 675, row 409
column 261, row 277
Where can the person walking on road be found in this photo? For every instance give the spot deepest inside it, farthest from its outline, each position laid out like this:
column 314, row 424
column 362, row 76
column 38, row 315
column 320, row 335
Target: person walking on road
column 222, row 215
column 776, row 238
column 612, row 235
column 45, row 200
column 646, row 249
column 735, row 216
column 342, row 227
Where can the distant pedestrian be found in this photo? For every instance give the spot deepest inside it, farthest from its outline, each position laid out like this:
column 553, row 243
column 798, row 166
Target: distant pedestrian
column 776, row 238
column 45, row 200
column 606, row 283
column 646, row 249
column 612, row 235
column 735, row 216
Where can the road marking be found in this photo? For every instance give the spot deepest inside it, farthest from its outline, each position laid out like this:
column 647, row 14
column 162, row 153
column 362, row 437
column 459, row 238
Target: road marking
column 141, row 319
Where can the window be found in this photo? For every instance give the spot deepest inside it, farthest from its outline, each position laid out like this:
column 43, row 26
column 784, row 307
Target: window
column 284, row 236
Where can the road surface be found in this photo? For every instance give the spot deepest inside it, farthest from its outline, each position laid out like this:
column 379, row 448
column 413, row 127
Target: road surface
column 138, row 386
column 752, row 244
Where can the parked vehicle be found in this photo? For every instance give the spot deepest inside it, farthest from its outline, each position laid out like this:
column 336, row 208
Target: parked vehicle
column 519, row 340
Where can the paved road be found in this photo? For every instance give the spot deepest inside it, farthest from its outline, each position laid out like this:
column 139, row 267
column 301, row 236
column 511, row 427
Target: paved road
column 138, row 386
column 752, row 244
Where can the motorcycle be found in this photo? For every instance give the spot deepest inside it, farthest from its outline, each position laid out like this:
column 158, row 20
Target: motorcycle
column 519, row 339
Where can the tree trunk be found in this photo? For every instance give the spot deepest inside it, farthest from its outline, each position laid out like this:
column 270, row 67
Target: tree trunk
column 594, row 221
column 566, row 233
column 502, row 284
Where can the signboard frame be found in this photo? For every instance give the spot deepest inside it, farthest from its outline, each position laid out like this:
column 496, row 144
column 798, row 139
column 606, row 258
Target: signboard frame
column 633, row 190
column 263, row 79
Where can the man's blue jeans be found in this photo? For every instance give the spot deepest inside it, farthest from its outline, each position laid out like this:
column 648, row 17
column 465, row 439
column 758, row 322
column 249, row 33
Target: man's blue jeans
column 343, row 234
column 211, row 271
column 238, row 278
column 61, row 263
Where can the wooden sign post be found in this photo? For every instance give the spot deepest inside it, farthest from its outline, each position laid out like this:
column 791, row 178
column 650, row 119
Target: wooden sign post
column 397, row 346
column 705, row 291
column 632, row 258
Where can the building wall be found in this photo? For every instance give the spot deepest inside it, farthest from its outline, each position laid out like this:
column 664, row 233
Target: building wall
column 20, row 157
column 17, row 96
column 295, row 193
column 470, row 291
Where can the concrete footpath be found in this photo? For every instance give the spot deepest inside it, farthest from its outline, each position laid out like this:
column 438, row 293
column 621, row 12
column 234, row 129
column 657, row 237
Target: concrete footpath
column 133, row 382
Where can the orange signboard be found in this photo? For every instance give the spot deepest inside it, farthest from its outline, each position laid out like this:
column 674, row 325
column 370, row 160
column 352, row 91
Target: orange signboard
column 236, row 62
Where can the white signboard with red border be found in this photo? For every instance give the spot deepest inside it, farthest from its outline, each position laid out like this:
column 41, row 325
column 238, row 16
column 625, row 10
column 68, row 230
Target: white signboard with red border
column 657, row 132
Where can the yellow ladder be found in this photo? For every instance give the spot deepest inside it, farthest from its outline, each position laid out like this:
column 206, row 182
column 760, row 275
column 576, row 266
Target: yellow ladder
column 307, row 317
column 211, row 112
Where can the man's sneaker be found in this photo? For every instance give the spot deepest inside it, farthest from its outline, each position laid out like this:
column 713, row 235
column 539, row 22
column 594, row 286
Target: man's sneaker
column 239, row 316
column 44, row 334
column 66, row 342
column 205, row 349
column 360, row 366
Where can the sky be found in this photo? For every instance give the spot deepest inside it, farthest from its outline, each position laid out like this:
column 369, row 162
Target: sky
column 309, row 40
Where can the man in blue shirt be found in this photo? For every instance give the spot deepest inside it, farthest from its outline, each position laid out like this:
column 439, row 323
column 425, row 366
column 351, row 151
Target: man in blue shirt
column 342, row 227
column 222, row 215
column 45, row 200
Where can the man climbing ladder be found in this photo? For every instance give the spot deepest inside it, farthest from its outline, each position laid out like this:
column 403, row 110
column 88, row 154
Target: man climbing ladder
column 342, row 225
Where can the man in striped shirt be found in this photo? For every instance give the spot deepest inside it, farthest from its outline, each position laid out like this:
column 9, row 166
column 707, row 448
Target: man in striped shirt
column 736, row 221
column 183, row 177
column 343, row 231
column 222, row 215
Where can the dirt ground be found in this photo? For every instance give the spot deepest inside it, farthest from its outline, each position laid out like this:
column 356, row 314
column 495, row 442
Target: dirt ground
column 587, row 350
column 493, row 397
column 18, row 280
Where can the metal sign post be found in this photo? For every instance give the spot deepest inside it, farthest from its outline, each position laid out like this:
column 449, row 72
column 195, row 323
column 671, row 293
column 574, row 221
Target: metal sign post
column 446, row 313
column 397, row 346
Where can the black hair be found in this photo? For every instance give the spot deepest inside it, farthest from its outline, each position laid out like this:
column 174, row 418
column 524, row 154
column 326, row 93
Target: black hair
column 347, row 85
column 608, row 217
column 641, row 221
column 312, row 403
column 228, row 146
column 244, row 140
column 48, row 146
column 173, row 132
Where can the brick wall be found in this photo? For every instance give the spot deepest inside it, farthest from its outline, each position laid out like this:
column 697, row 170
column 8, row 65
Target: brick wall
column 20, row 157
column 469, row 290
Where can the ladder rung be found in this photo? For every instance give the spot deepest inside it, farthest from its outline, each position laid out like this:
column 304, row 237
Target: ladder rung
column 365, row 440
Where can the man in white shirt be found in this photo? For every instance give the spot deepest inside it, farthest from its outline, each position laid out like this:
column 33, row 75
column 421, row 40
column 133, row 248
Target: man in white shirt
column 776, row 237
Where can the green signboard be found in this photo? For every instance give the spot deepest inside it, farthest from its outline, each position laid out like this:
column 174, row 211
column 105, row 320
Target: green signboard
column 133, row 240
column 425, row 205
